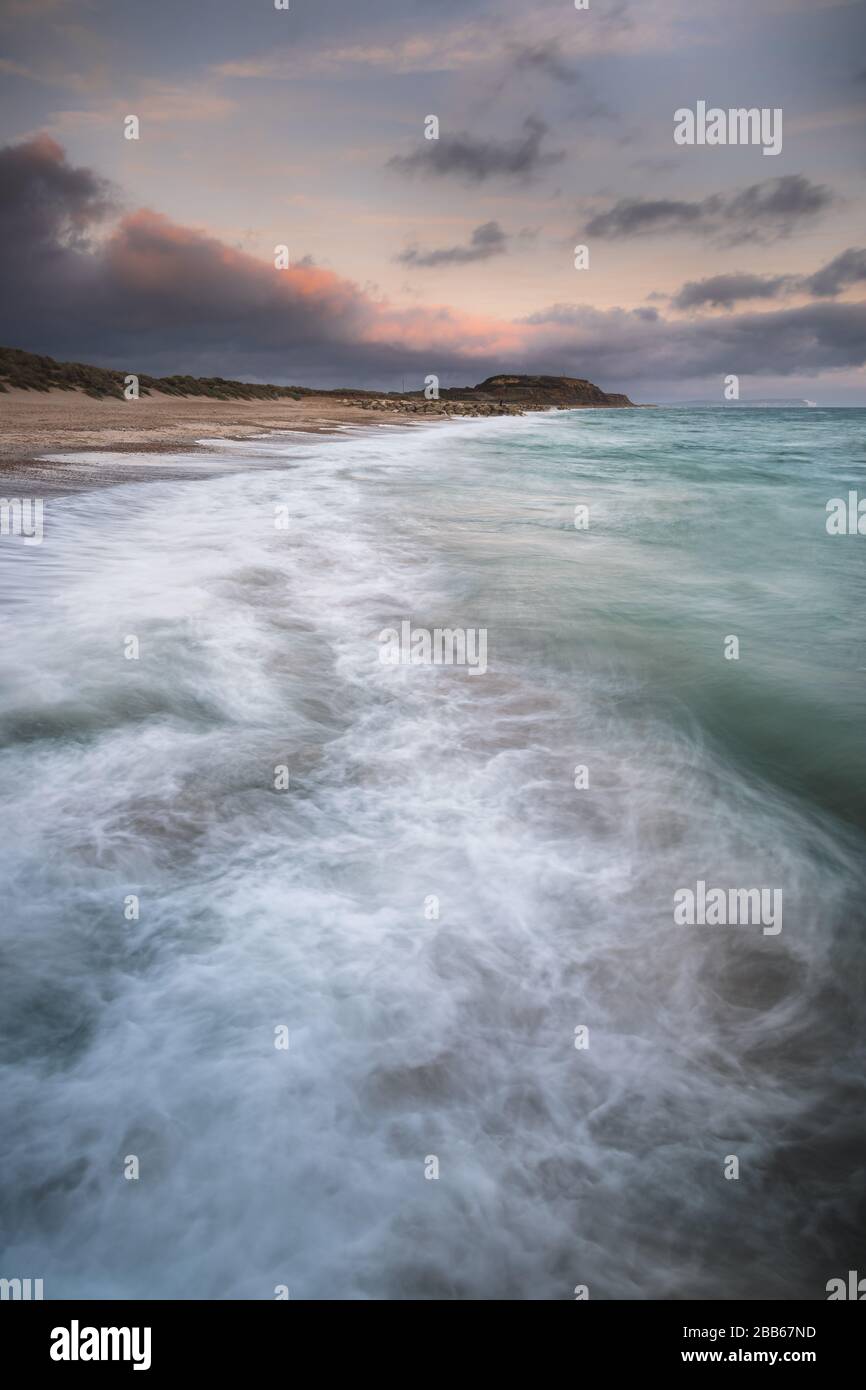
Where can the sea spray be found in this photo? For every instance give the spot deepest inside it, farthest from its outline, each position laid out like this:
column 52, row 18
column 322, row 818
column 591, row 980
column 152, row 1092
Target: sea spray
column 447, row 1034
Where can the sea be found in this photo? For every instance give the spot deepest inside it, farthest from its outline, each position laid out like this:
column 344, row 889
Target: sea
column 333, row 970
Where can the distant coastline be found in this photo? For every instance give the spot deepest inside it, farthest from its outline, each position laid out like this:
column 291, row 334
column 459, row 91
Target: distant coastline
column 50, row 407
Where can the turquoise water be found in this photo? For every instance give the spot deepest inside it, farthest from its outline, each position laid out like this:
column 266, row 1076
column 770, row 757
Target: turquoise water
column 419, row 1031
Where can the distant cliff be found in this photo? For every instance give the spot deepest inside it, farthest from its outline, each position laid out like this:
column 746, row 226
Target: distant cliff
column 538, row 392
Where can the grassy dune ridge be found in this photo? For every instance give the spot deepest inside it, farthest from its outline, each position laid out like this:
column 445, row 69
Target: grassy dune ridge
column 497, row 394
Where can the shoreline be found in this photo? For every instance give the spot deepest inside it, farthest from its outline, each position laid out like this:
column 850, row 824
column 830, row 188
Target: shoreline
column 43, row 433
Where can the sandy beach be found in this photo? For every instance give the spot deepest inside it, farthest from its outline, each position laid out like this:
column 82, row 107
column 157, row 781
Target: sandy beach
column 36, row 424
column 45, row 432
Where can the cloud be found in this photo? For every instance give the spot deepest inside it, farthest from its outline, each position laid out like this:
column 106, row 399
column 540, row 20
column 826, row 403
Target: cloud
column 764, row 211
column 461, row 46
column 545, row 58
column 473, row 159
column 486, row 241
column 636, row 216
column 147, row 293
column 777, row 202
column 627, row 346
column 46, row 199
column 847, row 269
column 399, row 42
column 157, row 104
column 12, row 69
column 723, row 291
column 141, row 292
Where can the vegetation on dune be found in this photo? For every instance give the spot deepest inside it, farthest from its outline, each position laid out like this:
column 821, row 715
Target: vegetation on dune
column 32, row 372
column 498, row 395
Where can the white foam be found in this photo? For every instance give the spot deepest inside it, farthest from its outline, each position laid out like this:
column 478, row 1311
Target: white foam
column 409, row 1037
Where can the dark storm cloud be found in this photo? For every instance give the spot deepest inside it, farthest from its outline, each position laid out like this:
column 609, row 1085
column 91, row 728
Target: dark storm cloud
column 763, row 211
column 486, row 241
column 723, row 291
column 473, row 159
column 849, row 268
column 45, row 199
column 150, row 291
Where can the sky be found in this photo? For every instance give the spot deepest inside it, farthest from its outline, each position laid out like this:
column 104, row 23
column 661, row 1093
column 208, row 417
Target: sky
column 306, row 127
